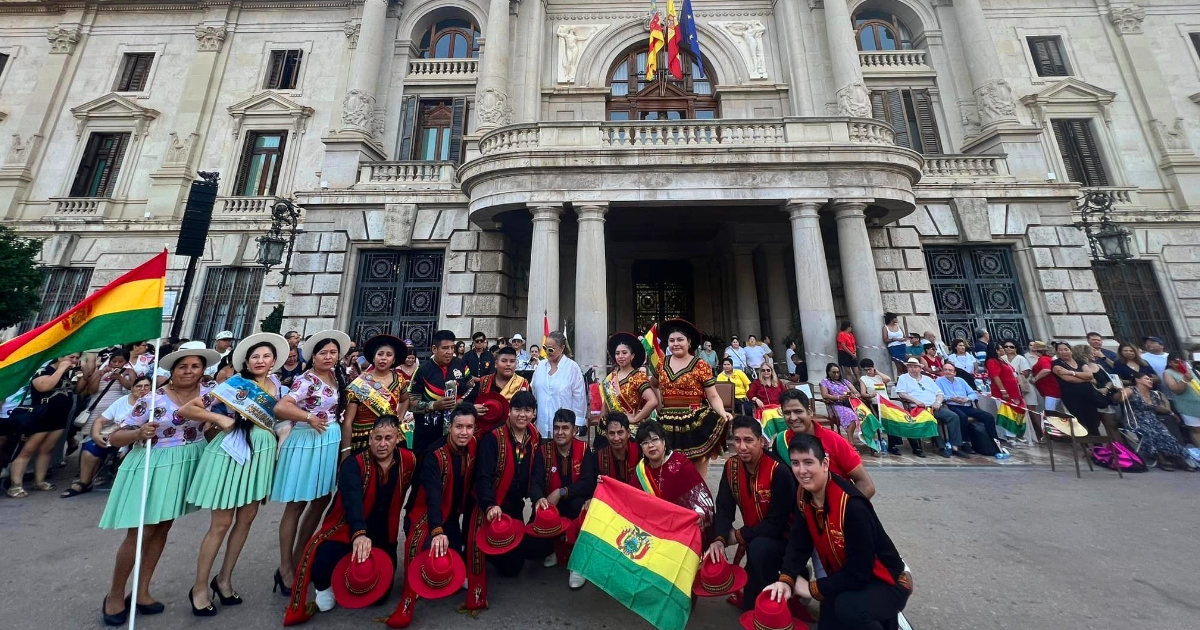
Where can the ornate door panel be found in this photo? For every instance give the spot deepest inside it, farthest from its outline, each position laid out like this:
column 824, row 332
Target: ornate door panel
column 398, row 293
column 662, row 289
column 1134, row 303
column 977, row 287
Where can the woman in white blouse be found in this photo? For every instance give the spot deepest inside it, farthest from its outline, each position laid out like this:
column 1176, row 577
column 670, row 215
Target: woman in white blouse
column 558, row 384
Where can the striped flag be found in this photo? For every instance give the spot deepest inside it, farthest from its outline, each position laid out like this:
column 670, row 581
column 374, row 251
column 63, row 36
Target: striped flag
column 900, row 423
column 654, row 351
column 641, row 550
column 128, row 309
column 1012, row 418
column 657, row 41
column 545, row 333
column 869, row 426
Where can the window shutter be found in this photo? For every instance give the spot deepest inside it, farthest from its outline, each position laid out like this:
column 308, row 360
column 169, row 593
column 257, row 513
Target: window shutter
column 878, row 111
column 294, row 69
column 899, row 122
column 239, row 183
column 86, row 165
column 408, row 124
column 126, row 77
column 457, row 126
column 1062, row 138
column 278, row 163
column 141, row 71
column 926, row 123
column 115, row 154
column 1089, row 155
column 275, row 74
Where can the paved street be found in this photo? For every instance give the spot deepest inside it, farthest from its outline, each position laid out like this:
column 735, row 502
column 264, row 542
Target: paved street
column 991, row 547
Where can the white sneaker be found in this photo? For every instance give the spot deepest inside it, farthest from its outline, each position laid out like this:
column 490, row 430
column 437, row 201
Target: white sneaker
column 550, row 561
column 576, row 581
column 325, row 600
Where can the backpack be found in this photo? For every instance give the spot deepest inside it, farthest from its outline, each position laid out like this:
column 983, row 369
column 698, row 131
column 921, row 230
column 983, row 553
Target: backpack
column 1116, row 454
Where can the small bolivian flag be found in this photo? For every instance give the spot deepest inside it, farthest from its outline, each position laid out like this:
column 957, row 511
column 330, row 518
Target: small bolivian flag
column 899, row 423
column 1012, row 418
column 641, row 550
column 128, row 309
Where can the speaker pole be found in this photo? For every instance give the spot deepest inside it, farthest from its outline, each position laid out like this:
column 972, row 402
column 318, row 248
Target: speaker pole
column 193, row 234
column 184, row 293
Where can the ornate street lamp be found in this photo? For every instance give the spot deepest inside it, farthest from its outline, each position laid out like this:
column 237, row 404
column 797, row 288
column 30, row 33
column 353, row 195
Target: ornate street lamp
column 273, row 245
column 1107, row 240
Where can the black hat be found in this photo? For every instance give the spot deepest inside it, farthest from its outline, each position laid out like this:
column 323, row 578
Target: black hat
column 688, row 329
column 378, row 341
column 635, row 346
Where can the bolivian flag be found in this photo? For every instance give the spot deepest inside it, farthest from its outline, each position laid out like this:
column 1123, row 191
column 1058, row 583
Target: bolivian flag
column 654, row 351
column 127, row 310
column 898, row 422
column 1012, row 418
column 641, row 550
column 869, row 425
column 772, row 421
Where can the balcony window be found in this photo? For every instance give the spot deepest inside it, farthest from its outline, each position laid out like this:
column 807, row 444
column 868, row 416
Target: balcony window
column 284, row 73
column 631, row 96
column 432, row 128
column 878, row 30
column 910, row 113
column 450, row 39
column 100, row 165
column 1079, row 150
column 135, row 72
column 258, row 173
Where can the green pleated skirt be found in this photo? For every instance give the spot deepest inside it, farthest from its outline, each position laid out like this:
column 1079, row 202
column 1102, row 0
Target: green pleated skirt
column 223, row 484
column 171, row 471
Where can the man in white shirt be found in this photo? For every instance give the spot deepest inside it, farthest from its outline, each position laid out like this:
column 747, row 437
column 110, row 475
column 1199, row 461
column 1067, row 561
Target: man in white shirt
column 1155, row 354
column 518, row 344
column 942, row 351
column 917, row 389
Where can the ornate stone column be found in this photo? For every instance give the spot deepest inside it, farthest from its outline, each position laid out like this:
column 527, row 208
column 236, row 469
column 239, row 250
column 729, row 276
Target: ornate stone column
column 818, row 321
column 543, row 270
column 491, row 93
column 748, row 321
column 591, row 288
column 993, row 95
column 853, row 99
column 860, row 281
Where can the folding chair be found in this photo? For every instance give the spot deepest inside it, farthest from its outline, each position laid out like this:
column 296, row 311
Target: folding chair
column 1073, row 427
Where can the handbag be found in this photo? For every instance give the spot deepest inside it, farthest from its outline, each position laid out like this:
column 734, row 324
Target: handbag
column 23, row 417
column 82, row 418
column 1129, row 431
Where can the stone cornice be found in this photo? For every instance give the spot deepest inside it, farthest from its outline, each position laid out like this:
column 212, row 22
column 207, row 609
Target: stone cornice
column 61, row 6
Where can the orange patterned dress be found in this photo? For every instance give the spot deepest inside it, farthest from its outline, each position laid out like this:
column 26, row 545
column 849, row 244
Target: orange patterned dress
column 693, row 427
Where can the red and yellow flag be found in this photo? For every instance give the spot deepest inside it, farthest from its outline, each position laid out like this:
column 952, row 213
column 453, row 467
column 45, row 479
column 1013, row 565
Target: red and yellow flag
column 674, row 63
column 657, row 42
column 545, row 333
column 654, row 351
column 128, row 309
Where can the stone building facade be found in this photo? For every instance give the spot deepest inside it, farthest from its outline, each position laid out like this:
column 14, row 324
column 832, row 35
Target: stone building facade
column 491, row 164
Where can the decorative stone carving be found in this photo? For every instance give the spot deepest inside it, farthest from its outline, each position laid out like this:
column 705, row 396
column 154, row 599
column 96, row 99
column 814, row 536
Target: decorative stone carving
column 62, row 40
column 210, row 38
column 1127, row 18
column 352, row 29
column 1172, row 139
column 493, row 108
column 854, row 100
column 995, row 100
column 514, row 7
column 358, row 110
column 19, row 152
column 179, row 151
column 968, row 113
column 747, row 37
column 572, row 39
column 377, row 124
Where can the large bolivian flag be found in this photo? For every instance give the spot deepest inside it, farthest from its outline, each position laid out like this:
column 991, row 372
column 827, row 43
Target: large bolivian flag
column 127, row 310
column 898, row 422
column 642, row 550
column 1012, row 418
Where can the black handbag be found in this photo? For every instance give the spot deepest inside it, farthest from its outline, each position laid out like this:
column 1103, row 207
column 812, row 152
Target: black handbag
column 23, row 417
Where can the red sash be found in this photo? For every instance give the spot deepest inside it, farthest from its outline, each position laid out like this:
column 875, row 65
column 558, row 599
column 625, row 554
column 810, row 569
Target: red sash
column 551, row 459
column 830, row 540
column 753, row 495
column 624, row 470
column 418, row 515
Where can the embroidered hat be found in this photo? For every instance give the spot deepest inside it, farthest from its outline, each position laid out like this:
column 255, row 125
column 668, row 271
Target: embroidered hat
column 360, row 584
column 433, row 577
column 500, row 536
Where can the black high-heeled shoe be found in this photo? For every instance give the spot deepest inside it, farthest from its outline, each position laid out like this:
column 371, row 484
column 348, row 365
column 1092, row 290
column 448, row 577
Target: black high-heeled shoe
column 117, row 619
column 209, row 611
column 232, row 600
column 279, row 585
column 146, row 609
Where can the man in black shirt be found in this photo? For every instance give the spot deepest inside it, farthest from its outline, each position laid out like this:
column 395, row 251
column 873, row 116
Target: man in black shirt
column 566, row 483
column 479, row 359
column 439, row 385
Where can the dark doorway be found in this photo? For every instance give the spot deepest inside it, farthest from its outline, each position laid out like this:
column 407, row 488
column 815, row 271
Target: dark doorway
column 398, row 293
column 977, row 287
column 662, row 289
column 1134, row 303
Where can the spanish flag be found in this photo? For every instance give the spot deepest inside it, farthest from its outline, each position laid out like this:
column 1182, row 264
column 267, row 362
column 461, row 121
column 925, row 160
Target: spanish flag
column 641, row 550
column 657, row 42
column 899, row 423
column 1012, row 418
column 127, row 310
column 674, row 63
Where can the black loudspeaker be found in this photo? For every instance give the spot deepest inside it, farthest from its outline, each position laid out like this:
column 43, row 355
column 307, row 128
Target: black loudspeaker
column 193, row 232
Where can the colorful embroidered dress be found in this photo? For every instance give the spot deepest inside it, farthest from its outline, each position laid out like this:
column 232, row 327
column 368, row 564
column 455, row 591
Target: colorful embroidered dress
column 693, row 428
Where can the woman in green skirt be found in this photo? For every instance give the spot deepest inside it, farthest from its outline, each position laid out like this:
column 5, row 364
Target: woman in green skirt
column 175, row 444
column 238, row 465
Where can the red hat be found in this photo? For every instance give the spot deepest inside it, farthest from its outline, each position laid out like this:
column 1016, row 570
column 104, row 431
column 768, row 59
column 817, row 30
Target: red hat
column 434, row 577
column 500, row 536
column 575, row 527
column 497, row 411
column 769, row 615
column 548, row 523
column 360, row 584
column 718, row 578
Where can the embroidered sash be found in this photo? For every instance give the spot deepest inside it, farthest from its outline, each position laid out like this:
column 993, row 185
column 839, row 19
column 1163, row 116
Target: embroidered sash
column 374, row 399
column 248, row 399
column 753, row 499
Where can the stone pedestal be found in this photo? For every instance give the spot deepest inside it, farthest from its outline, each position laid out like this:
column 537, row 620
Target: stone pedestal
column 993, row 95
column 853, row 98
column 860, row 280
column 358, row 135
column 543, row 271
column 748, row 321
column 591, row 289
column 818, row 320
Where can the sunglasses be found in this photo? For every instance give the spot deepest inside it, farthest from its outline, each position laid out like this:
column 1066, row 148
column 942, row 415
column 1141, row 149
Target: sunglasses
column 1010, row 347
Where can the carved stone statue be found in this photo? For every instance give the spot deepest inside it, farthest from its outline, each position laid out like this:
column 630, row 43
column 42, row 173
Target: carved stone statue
column 1128, row 18
column 352, row 30
column 572, row 39
column 358, row 109
column 19, row 152
column 1172, row 139
column 62, row 40
column 178, row 151
column 854, row 100
column 493, row 108
column 210, row 38
column 995, row 99
column 747, row 36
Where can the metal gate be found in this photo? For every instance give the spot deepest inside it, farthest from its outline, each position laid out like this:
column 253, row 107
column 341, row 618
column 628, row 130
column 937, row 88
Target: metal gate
column 398, row 293
column 1133, row 301
column 977, row 287
column 662, row 289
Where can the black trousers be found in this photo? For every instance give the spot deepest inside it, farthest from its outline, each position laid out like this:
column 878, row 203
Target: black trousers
column 966, row 413
column 331, row 552
column 873, row 608
column 764, row 558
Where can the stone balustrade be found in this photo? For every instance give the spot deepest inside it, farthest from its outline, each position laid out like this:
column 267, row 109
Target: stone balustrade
column 79, row 207
column 437, row 69
column 893, row 61
column 409, row 172
column 987, row 167
column 245, row 206
column 1120, row 195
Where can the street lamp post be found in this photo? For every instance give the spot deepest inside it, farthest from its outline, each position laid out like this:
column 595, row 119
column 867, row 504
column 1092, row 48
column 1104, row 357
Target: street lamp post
column 1106, row 239
column 275, row 245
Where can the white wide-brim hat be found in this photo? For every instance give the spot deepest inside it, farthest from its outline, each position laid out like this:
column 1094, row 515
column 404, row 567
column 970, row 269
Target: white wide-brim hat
column 278, row 344
column 190, row 349
column 340, row 338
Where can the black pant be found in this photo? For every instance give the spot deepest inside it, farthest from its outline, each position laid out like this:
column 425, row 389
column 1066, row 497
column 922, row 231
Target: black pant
column 966, row 413
column 874, row 608
column 331, row 552
column 764, row 558
column 425, row 433
column 915, row 444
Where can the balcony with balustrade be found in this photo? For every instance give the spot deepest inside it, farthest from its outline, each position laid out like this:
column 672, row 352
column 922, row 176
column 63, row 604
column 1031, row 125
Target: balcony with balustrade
column 442, row 71
column 79, row 209
column 885, row 63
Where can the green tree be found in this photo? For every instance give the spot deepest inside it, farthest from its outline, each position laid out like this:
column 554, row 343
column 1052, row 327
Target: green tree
column 20, row 277
column 273, row 321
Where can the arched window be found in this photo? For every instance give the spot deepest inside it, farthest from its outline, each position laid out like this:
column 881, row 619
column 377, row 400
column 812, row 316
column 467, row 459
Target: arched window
column 632, row 97
column 878, row 30
column 450, row 39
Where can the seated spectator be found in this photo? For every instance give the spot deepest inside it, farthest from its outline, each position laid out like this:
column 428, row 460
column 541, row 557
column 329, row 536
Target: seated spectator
column 1179, row 379
column 930, row 361
column 837, row 391
column 766, row 388
column 915, row 388
column 959, row 398
column 1130, row 364
column 1157, row 442
column 1043, row 378
column 96, row 448
column 737, row 353
column 962, row 359
column 914, row 348
column 872, row 383
column 741, row 386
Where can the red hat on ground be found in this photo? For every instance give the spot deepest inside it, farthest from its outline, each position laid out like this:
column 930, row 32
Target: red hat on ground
column 575, row 527
column 497, row 411
column 360, row 584
column 548, row 523
column 434, row 577
column 500, row 536
column 718, row 578
column 770, row 615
